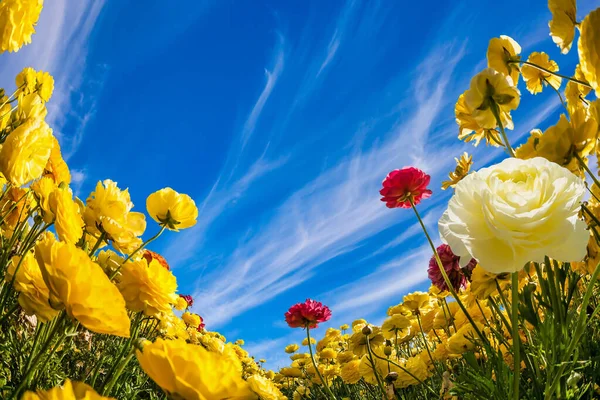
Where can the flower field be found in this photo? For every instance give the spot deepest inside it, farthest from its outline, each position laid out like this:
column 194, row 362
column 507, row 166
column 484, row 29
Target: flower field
column 89, row 311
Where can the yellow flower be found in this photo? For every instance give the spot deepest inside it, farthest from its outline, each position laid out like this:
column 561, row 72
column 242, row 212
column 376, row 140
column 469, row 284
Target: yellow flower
column 291, row 372
column 264, row 388
column 45, row 85
column 576, row 93
column 305, row 341
column 181, row 304
column 501, row 54
column 30, row 106
column 190, row 372
column 42, row 188
column 490, row 89
column 292, row 348
column 562, row 141
column 398, row 309
column 82, row 287
column 301, row 392
column 19, row 201
column 445, row 316
column 175, row 211
column 68, row 224
column 17, row 22
column 68, row 391
column 26, row 151
column 463, row 165
column 417, row 367
column 57, row 168
column 514, row 212
column 469, row 129
column 171, row 326
column 328, row 354
column 417, row 302
column 344, row 327
column 5, row 114
column 463, row 340
column 191, row 319
column 148, row 287
column 536, row 79
column 396, row 325
column 33, row 292
column 589, row 49
column 26, row 80
column 358, row 341
column 108, row 208
column 350, row 372
column 562, row 25
column 483, row 283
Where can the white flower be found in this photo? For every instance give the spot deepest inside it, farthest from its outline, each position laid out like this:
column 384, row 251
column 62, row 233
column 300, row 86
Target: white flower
column 515, row 212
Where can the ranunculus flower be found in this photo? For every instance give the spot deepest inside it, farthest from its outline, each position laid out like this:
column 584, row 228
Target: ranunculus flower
column 189, row 371
column 171, row 209
column 307, row 314
column 18, row 19
column 67, row 391
column 515, row 212
column 589, row 57
column 404, row 184
column 26, row 151
column 450, row 261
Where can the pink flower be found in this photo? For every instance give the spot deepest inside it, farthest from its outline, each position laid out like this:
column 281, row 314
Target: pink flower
column 188, row 299
column 458, row 276
column 404, row 184
column 307, row 314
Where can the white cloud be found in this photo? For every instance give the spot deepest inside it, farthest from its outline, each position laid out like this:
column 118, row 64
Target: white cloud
column 332, row 214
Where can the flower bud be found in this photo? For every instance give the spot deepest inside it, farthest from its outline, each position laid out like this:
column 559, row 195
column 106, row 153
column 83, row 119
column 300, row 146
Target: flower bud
column 391, row 377
column 387, row 351
column 367, row 330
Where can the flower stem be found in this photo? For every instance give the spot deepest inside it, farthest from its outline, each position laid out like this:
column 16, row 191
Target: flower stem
column 587, row 169
column 314, row 362
column 129, row 257
column 375, row 372
column 445, row 276
column 496, row 112
column 553, row 73
column 427, row 345
column 515, row 335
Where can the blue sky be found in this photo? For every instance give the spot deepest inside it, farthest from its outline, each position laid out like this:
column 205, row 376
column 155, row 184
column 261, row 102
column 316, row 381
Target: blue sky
column 280, row 119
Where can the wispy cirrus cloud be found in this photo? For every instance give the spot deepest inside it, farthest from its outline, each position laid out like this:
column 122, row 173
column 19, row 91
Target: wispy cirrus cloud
column 333, row 213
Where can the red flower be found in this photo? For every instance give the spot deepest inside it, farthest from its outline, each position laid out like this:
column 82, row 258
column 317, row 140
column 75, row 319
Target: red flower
column 150, row 255
column 307, row 314
column 403, row 184
column 458, row 276
column 188, row 299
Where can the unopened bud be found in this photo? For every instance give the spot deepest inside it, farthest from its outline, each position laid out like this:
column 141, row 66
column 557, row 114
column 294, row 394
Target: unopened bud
column 367, row 330
column 387, row 351
column 391, row 377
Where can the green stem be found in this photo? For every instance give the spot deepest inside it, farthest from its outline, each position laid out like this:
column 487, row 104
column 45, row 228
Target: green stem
column 557, row 93
column 118, row 372
column 587, row 169
column 42, row 353
column 377, row 377
column 427, row 345
column 553, row 73
column 496, row 111
column 153, row 238
column 515, row 335
column 314, row 362
column 445, row 276
column 98, row 243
